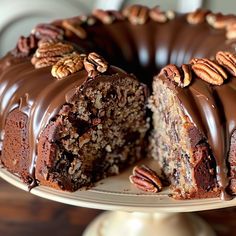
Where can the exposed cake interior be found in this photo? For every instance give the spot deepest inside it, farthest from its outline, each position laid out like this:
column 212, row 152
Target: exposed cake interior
column 180, row 149
column 99, row 132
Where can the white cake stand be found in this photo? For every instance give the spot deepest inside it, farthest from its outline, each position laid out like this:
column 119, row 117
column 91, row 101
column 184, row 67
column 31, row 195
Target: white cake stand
column 131, row 212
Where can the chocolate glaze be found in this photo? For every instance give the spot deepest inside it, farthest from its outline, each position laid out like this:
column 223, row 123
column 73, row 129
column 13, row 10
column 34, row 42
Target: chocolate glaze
column 211, row 109
column 177, row 42
column 140, row 49
column 145, row 49
column 39, row 95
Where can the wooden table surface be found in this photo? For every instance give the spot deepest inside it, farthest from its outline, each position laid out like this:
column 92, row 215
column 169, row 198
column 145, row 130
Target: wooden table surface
column 23, row 214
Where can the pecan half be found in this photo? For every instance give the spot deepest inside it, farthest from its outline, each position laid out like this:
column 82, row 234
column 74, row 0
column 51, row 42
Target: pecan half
column 126, row 10
column 208, row 71
column 107, row 17
column 94, row 64
column 48, row 31
column 220, row 21
column 74, row 166
column 74, row 25
column 170, row 14
column 197, row 16
column 53, row 49
column 44, row 61
column 85, row 138
column 25, row 46
column 116, row 14
column 187, row 76
column 69, row 64
column 136, row 14
column 181, row 76
column 231, row 30
column 146, row 179
column 90, row 68
column 49, row 53
column 159, row 16
column 45, row 41
column 99, row 61
column 171, row 71
column 228, row 61
column 89, row 20
column 103, row 16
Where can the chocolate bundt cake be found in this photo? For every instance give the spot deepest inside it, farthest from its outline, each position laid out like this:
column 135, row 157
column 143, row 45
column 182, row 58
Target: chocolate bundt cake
column 69, row 118
column 69, row 132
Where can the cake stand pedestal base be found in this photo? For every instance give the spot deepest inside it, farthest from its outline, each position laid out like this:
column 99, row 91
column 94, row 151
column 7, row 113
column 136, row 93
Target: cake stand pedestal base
column 117, row 223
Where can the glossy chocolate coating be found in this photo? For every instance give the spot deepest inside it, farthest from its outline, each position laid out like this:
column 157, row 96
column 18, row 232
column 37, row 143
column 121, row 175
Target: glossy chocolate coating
column 212, row 110
column 37, row 94
column 145, row 49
